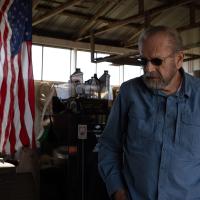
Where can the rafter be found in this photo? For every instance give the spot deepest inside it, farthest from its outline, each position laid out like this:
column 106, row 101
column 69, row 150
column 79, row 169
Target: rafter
column 188, row 27
column 79, row 15
column 132, row 38
column 35, row 4
column 54, row 12
column 191, row 57
column 128, row 20
column 93, row 20
column 192, row 14
column 140, row 6
column 50, row 41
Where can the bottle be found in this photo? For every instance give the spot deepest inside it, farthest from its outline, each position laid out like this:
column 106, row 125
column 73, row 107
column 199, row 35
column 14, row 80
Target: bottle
column 94, row 89
column 104, row 85
column 98, row 84
column 77, row 77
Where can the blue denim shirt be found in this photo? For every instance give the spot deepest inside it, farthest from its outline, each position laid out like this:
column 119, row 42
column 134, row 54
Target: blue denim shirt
column 151, row 144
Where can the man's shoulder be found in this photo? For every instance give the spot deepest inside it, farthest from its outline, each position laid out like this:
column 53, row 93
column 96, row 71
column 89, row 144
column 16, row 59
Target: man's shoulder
column 134, row 82
column 194, row 81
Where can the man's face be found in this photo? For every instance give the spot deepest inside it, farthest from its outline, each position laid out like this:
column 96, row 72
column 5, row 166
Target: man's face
column 160, row 73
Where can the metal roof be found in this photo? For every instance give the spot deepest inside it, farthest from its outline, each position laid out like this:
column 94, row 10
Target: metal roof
column 114, row 23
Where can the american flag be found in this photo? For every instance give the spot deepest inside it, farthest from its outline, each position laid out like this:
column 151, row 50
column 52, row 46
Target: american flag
column 16, row 76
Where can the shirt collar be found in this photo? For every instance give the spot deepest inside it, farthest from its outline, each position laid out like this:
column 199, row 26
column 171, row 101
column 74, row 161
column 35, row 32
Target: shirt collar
column 185, row 89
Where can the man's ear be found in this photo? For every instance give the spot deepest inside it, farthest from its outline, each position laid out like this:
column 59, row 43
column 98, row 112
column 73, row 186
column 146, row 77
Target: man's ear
column 179, row 59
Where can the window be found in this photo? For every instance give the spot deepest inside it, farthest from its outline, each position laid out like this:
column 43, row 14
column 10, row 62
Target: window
column 84, row 63
column 112, row 70
column 131, row 71
column 37, row 62
column 56, row 64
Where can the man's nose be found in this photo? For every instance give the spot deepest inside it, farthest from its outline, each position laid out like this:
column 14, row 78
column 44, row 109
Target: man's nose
column 149, row 67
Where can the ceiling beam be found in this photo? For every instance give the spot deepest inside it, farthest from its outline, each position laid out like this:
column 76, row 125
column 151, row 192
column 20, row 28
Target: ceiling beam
column 192, row 14
column 191, row 46
column 130, row 40
column 194, row 57
column 128, row 20
column 93, row 20
column 35, row 4
column 79, row 15
column 54, row 12
column 49, row 41
column 141, row 6
column 188, row 27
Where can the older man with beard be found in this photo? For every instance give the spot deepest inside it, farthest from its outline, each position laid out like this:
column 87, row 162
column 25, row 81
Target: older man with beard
column 150, row 148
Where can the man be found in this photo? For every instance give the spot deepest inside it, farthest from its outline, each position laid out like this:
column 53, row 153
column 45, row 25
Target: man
column 150, row 148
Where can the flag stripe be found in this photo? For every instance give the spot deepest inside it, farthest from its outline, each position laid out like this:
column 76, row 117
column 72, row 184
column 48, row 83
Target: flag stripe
column 21, row 99
column 31, row 95
column 3, row 90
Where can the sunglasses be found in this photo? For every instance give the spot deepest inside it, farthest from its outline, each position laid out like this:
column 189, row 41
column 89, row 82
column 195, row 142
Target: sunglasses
column 154, row 61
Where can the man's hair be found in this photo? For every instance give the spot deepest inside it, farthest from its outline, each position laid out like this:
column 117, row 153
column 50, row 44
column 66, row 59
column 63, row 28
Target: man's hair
column 175, row 38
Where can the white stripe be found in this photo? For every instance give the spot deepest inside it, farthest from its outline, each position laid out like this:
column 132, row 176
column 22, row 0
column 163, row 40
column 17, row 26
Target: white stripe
column 2, row 51
column 27, row 115
column 9, row 78
column 2, row 2
column 17, row 123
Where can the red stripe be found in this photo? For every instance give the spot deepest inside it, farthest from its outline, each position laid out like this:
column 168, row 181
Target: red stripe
column 12, row 139
column 31, row 92
column 5, row 5
column 3, row 90
column 11, row 109
column 23, row 135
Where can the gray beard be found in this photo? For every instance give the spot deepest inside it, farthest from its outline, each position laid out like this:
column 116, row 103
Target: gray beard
column 155, row 84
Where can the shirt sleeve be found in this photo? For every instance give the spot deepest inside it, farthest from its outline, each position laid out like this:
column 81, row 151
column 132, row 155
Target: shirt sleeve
column 110, row 157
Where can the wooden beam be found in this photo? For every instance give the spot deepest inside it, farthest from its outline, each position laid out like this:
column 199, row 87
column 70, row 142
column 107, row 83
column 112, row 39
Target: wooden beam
column 192, row 58
column 92, row 47
column 191, row 46
column 128, row 20
column 49, row 41
column 117, row 57
column 35, row 3
column 55, row 12
column 188, row 27
column 191, row 55
column 140, row 6
column 128, row 43
column 131, row 43
column 79, row 15
column 92, row 21
column 192, row 14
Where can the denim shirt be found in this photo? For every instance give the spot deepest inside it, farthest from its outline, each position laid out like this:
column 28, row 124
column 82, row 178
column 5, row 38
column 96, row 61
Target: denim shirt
column 151, row 143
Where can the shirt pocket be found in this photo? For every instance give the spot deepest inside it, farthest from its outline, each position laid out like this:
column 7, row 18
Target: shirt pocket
column 190, row 133
column 141, row 126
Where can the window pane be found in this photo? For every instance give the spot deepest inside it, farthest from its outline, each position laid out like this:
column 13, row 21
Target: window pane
column 56, row 64
column 37, row 61
column 131, row 71
column 84, row 63
column 114, row 71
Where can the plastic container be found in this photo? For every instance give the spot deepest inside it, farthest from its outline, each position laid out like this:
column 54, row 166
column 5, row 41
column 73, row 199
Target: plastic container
column 94, row 89
column 104, row 85
column 77, row 77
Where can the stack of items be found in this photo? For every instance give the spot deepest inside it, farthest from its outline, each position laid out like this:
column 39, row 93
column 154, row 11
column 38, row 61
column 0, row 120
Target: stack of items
column 93, row 88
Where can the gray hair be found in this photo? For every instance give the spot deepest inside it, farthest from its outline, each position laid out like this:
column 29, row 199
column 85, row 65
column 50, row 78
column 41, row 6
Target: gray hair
column 174, row 36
